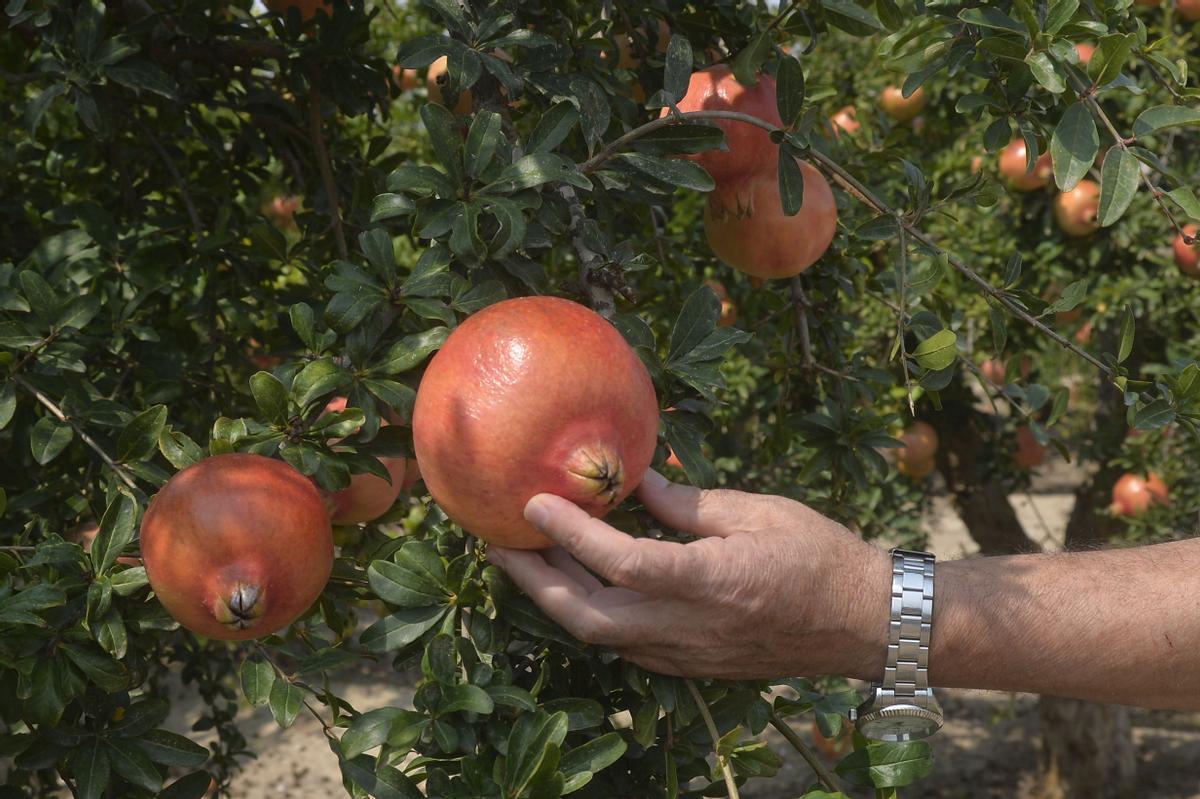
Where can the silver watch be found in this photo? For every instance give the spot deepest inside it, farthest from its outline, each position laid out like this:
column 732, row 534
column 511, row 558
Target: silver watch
column 903, row 707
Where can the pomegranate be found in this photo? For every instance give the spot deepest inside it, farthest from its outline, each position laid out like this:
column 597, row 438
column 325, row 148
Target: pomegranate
column 627, row 59
column 434, row 81
column 1187, row 256
column 412, row 475
column 728, row 308
column 747, row 229
column 846, row 119
column 838, row 746
column 532, row 395
column 1085, row 51
column 237, row 546
column 976, row 164
column 901, row 108
column 994, row 371
column 1013, row 165
column 1188, row 9
column 750, row 149
column 368, row 496
column 915, row 470
column 281, row 210
column 920, row 443
column 1133, row 494
column 307, row 8
column 1029, row 452
column 406, row 79
column 1076, row 210
column 673, row 459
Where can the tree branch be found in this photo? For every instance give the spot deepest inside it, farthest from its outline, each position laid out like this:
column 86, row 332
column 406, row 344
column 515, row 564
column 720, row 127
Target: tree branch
column 824, row 775
column 722, row 761
column 51, row 406
column 322, row 154
column 600, row 297
column 197, row 227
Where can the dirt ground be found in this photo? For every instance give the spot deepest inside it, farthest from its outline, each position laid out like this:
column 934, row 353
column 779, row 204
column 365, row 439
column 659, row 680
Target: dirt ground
column 988, row 748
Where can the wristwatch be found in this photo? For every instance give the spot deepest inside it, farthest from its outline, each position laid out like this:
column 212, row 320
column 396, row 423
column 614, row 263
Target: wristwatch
column 903, row 707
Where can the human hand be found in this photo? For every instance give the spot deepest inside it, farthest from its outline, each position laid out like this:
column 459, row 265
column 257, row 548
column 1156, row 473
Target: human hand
column 770, row 588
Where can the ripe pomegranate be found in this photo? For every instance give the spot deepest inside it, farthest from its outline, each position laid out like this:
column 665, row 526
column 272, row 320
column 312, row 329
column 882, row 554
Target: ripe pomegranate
column 837, row 747
column 368, row 496
column 307, row 8
column 258, row 355
column 1029, row 452
column 846, row 119
column 1188, row 9
column 1187, row 256
column 627, row 59
column 1076, row 210
column 281, row 210
column 750, row 149
column 1133, row 494
column 1085, row 51
column 901, row 108
column 728, row 308
column 994, row 370
column 747, row 229
column 915, row 470
column 673, row 459
column 920, row 443
column 532, row 395
column 1013, row 167
column 237, row 546
column 433, row 83
column 406, row 79
column 1084, row 334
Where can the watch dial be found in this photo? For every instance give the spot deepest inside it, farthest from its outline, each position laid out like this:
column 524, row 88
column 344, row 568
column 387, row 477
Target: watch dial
column 899, row 728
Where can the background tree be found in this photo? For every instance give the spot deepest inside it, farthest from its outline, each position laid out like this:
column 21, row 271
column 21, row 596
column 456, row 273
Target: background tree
column 215, row 220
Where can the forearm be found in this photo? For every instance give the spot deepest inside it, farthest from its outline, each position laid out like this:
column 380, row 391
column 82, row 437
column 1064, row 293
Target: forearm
column 1117, row 626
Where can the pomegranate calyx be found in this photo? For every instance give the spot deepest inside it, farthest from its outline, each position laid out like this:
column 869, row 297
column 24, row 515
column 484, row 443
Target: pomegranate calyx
column 601, row 472
column 241, row 607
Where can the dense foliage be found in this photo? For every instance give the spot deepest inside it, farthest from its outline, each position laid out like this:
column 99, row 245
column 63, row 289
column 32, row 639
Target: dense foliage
column 157, row 306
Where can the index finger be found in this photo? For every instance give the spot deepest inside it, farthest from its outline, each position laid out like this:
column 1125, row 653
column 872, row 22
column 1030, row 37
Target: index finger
column 644, row 564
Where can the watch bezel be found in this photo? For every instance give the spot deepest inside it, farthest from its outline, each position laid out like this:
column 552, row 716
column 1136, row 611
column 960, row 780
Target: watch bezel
column 873, row 723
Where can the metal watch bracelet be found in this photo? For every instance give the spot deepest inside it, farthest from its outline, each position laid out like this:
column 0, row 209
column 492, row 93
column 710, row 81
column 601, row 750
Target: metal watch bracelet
column 906, row 676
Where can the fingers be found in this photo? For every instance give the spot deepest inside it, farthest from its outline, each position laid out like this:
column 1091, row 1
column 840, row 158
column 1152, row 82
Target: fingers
column 591, row 617
column 560, row 559
column 704, row 513
column 653, row 567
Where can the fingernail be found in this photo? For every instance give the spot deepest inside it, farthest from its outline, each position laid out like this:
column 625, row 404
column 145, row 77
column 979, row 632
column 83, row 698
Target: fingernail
column 654, row 480
column 536, row 512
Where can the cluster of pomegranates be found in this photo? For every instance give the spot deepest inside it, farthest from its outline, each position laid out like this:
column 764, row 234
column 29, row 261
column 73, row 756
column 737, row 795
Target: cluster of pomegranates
column 743, row 216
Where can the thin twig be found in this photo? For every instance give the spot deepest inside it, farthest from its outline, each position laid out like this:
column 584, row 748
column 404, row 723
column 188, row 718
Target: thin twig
column 912, row 406
column 322, row 154
column 326, row 727
column 722, row 761
column 852, row 185
column 197, row 227
column 600, row 297
column 824, row 775
column 800, row 303
column 51, row 406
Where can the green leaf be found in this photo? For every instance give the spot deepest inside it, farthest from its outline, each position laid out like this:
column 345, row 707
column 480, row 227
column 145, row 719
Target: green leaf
column 851, row 17
column 133, row 765
column 423, row 50
column 884, row 765
column 748, row 61
column 370, row 730
column 938, row 351
column 789, row 91
column 1074, row 146
column 1070, row 297
column 189, row 786
column 316, row 379
column 285, row 702
column 1110, row 56
column 1118, row 184
column 89, row 767
column 116, row 531
column 37, row 109
column 593, row 756
column 171, row 749
column 142, row 76
column 697, row 318
column 8, row 404
column 483, row 140
column 534, row 170
column 534, row 737
column 1154, row 415
column 139, row 440
column 390, row 206
column 682, row 137
column 379, row 781
column 445, row 138
column 48, row 438
column 1165, row 116
column 791, row 183
column 553, row 128
column 404, row 586
column 993, row 18
column 672, row 171
column 678, row 70
column 400, row 629
column 140, row 717
column 686, row 443
column 258, row 678
column 270, row 396
column 582, row 714
column 465, row 697
column 1059, row 14
column 180, row 450
column 1045, row 72
column 1127, row 331
column 511, row 696
column 97, row 666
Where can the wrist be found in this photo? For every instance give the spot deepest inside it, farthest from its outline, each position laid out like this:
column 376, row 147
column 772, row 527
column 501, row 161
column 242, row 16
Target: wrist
column 866, row 609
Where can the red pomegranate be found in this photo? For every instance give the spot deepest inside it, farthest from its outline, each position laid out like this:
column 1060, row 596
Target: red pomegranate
column 433, row 84
column 747, row 229
column 1187, row 256
column 532, row 395
column 1013, row 165
column 1029, row 452
column 846, row 119
column 368, row 496
column 237, row 546
column 1076, row 210
column 750, row 149
column 1188, row 9
column 307, row 8
column 1133, row 494
column 1085, row 52
column 901, row 108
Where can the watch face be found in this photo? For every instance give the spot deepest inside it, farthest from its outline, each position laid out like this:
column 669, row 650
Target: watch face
column 898, row 727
